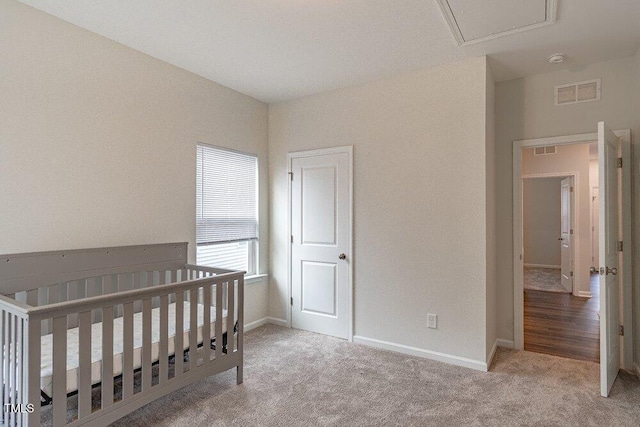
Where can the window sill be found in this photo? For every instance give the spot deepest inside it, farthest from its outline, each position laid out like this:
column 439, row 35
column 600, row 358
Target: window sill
column 255, row 278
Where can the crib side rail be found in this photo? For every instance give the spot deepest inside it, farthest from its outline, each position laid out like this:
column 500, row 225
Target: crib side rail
column 150, row 360
column 14, row 363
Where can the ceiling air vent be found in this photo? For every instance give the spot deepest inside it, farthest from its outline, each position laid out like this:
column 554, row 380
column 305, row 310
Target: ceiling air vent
column 577, row 92
column 543, row 151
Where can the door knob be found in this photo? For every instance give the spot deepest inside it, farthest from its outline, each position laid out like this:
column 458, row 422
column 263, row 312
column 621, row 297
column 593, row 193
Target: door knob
column 559, row 238
column 593, row 270
column 342, row 256
column 613, row 271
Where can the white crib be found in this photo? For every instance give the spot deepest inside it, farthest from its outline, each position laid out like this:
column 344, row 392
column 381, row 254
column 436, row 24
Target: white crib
column 104, row 326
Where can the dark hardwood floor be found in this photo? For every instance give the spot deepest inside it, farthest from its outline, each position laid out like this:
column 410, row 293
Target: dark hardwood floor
column 562, row 324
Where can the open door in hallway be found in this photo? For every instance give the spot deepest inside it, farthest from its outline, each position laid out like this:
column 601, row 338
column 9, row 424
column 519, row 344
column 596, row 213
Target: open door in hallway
column 566, row 233
column 608, row 146
column 321, row 241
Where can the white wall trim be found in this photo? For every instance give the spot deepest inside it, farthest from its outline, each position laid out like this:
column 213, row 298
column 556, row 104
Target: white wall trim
column 265, row 320
column 419, row 352
column 255, row 324
column 627, row 261
column 348, row 149
column 556, row 267
column 492, row 354
column 505, row 343
column 518, row 298
column 584, row 294
column 558, row 140
column 278, row 322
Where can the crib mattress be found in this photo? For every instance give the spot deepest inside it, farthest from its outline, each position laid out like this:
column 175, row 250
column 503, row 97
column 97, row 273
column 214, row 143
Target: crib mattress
column 46, row 379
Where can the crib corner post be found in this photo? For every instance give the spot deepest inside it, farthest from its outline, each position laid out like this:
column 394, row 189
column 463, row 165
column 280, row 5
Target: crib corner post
column 239, row 374
column 32, row 355
column 240, row 347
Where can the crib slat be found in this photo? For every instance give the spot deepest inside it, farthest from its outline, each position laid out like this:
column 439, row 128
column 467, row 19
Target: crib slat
column 59, row 371
column 127, row 347
column 12, row 366
column 81, row 289
column 179, row 367
column 33, row 341
column 163, row 352
column 146, row 344
column 193, row 329
column 4, row 327
column 206, row 326
column 20, row 358
column 94, row 288
column 230, row 315
column 136, row 283
column 62, row 291
column 240, row 368
column 32, row 297
column 84, row 359
column 219, row 320
column 109, row 284
column 3, row 356
column 107, row 356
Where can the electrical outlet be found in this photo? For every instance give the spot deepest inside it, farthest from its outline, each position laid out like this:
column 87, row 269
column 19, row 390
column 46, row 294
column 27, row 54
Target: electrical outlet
column 432, row 321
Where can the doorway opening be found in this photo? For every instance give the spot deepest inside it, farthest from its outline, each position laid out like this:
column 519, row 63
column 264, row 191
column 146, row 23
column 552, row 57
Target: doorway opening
column 550, row 231
column 597, row 310
column 560, row 312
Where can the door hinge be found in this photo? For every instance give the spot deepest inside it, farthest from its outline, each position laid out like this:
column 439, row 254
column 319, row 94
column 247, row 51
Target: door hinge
column 572, row 274
column 622, row 330
column 620, row 246
column 619, row 162
column 571, row 189
column 571, row 231
column 292, row 238
column 291, row 175
column 291, row 300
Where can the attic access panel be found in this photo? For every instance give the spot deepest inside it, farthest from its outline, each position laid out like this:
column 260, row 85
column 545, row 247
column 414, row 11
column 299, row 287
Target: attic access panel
column 473, row 21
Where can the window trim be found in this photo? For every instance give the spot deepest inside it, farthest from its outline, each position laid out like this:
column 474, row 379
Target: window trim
column 253, row 261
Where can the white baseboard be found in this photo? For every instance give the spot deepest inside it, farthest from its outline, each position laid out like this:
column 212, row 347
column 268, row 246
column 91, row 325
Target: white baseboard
column 492, row 354
column 264, row 321
column 556, row 267
column 278, row 322
column 256, row 324
column 584, row 294
column 505, row 343
column 427, row 354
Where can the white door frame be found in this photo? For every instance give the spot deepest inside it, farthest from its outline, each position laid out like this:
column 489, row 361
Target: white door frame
column 575, row 216
column 310, row 153
column 626, row 293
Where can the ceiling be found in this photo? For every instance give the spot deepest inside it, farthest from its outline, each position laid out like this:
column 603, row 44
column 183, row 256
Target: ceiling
column 276, row 50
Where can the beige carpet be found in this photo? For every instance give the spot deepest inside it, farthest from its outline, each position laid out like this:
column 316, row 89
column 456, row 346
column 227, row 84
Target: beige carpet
column 296, row 378
column 543, row 279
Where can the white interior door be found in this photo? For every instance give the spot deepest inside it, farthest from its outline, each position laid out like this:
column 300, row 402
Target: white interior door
column 609, row 262
column 566, row 233
column 321, row 236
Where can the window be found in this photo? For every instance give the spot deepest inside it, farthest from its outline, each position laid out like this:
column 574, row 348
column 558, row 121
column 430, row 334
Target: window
column 226, row 209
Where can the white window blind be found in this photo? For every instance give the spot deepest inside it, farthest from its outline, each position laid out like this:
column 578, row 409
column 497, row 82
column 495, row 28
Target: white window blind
column 226, row 196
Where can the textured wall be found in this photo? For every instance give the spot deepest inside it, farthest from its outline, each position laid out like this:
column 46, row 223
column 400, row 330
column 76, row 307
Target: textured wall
column 97, row 141
column 419, row 201
column 541, row 221
column 524, row 110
